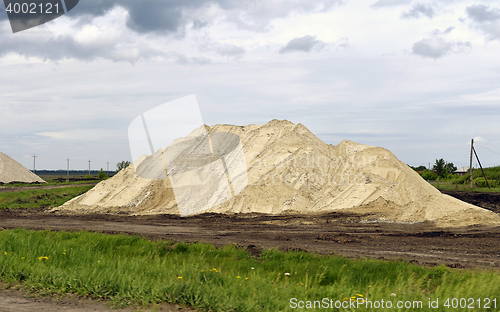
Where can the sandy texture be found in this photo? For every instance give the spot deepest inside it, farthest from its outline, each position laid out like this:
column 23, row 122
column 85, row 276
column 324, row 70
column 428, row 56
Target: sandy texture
column 290, row 170
column 12, row 171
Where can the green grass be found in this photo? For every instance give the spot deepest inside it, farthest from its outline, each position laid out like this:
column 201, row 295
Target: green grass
column 41, row 198
column 51, row 182
column 447, row 187
column 130, row 270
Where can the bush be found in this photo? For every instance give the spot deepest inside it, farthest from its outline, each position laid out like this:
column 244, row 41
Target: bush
column 428, row 175
column 481, row 182
column 88, row 177
column 102, row 175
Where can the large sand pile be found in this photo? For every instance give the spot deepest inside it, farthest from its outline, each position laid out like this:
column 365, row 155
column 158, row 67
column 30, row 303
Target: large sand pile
column 12, row 171
column 290, row 170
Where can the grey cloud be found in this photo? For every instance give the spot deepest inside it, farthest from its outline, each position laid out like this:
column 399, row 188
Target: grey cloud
column 184, row 60
column 64, row 47
column 161, row 18
column 304, row 44
column 173, row 15
column 482, row 13
column 418, row 10
column 389, row 3
column 197, row 24
column 228, row 50
column 439, row 32
column 436, row 47
column 258, row 14
column 342, row 43
column 485, row 19
column 231, row 50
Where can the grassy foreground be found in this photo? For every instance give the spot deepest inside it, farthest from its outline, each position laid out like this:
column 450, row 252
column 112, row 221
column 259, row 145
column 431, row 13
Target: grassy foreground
column 41, row 198
column 131, row 270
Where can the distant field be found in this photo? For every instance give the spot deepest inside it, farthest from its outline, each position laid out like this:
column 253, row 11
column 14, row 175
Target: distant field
column 57, row 180
column 41, row 198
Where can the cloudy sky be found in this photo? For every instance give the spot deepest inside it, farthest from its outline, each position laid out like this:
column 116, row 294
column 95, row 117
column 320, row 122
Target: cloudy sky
column 420, row 78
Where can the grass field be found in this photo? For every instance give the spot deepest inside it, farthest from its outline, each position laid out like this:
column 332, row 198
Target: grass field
column 51, row 180
column 129, row 270
column 447, row 186
column 41, row 198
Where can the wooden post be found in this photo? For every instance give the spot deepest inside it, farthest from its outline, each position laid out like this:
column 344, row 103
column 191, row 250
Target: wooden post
column 470, row 168
column 487, row 183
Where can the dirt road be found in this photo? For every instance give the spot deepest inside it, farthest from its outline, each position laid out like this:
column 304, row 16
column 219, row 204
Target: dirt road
column 17, row 301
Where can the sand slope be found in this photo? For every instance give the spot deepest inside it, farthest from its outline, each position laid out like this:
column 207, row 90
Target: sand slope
column 12, row 171
column 290, row 170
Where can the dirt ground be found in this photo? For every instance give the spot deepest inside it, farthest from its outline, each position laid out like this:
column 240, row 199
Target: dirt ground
column 12, row 300
column 332, row 233
column 10, row 189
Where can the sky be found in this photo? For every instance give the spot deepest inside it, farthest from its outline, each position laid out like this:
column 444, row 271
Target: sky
column 419, row 78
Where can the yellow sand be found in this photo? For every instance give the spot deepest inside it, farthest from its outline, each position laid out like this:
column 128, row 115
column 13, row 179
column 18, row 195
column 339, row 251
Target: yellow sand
column 12, row 171
column 290, row 170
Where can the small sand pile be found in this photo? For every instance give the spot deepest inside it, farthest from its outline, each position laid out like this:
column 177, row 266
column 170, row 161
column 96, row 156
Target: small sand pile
column 290, row 170
column 12, row 171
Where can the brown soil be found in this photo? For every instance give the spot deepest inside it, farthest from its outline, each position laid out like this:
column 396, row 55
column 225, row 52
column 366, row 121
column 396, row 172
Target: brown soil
column 12, row 300
column 490, row 201
column 4, row 189
column 332, row 233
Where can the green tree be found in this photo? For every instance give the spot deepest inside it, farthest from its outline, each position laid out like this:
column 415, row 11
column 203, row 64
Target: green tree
column 450, row 167
column 102, row 175
column 122, row 165
column 439, row 166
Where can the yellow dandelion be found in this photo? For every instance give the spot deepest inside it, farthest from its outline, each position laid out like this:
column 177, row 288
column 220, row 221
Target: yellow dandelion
column 43, row 258
column 360, row 295
column 5, row 252
column 179, row 277
column 22, row 258
column 64, row 253
column 246, row 278
column 345, row 299
column 238, row 276
column 203, row 270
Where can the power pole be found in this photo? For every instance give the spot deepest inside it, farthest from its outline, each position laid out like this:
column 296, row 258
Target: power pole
column 34, row 168
column 484, row 175
column 89, row 166
column 470, row 168
column 107, row 168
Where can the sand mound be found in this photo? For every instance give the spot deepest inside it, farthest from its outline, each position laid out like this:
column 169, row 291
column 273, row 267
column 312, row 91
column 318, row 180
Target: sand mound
column 289, row 170
column 12, row 171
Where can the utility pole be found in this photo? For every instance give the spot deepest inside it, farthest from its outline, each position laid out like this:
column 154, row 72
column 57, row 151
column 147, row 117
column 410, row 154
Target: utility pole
column 107, row 168
column 34, row 168
column 89, row 166
column 480, row 166
column 470, row 168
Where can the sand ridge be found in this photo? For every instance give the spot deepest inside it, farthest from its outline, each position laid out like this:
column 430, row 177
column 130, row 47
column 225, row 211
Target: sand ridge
column 290, row 170
column 12, row 171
